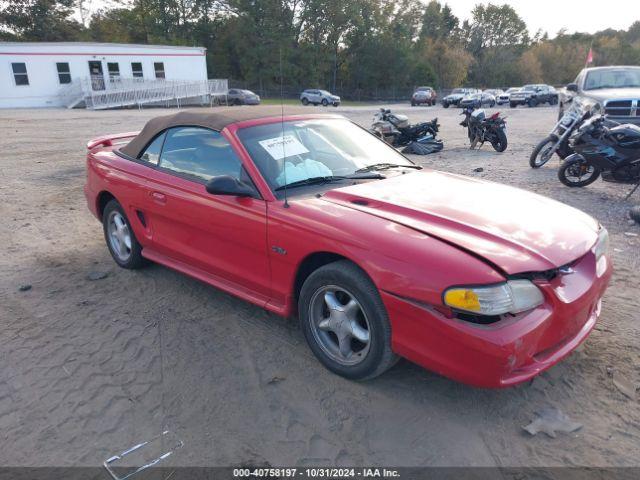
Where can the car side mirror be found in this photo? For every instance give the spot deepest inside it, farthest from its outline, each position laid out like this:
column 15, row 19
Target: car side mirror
column 572, row 87
column 227, row 185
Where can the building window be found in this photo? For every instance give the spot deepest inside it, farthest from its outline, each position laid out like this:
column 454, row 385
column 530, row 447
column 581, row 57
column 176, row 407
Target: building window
column 159, row 69
column 136, row 69
column 64, row 74
column 20, row 73
column 114, row 71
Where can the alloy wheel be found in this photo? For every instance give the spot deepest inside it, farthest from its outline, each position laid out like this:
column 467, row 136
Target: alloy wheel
column 119, row 236
column 339, row 325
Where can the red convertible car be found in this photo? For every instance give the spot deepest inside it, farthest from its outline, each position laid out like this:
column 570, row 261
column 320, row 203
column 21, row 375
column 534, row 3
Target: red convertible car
column 379, row 258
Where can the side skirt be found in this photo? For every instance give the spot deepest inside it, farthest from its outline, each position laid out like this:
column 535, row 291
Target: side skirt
column 215, row 281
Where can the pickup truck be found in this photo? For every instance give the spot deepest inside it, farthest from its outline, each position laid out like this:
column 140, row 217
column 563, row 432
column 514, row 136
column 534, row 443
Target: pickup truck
column 533, row 95
column 615, row 89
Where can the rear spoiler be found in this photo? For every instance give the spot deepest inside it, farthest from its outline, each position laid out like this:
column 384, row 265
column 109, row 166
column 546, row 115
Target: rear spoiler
column 109, row 140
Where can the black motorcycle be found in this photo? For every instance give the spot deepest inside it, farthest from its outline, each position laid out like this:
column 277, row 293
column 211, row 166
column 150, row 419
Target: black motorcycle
column 481, row 128
column 419, row 138
column 602, row 147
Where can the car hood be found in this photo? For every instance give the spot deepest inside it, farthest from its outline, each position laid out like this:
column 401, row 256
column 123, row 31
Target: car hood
column 512, row 229
column 612, row 94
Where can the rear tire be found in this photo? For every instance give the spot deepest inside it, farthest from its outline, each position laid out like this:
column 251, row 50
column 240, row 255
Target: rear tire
column 574, row 167
column 500, row 145
column 357, row 317
column 536, row 160
column 121, row 241
column 445, row 105
column 305, row 101
column 513, row 105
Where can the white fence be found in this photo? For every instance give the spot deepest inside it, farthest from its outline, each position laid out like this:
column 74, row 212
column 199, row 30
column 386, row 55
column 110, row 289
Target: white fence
column 138, row 92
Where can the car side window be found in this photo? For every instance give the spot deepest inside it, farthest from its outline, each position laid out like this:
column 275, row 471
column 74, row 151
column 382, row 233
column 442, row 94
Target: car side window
column 199, row 153
column 151, row 154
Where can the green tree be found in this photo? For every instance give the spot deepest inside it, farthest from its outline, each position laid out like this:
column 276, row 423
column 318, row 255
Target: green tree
column 438, row 22
column 39, row 20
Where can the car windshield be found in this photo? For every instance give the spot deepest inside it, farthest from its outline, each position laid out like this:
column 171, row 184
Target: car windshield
column 314, row 148
column 513, row 89
column 458, row 90
column 324, row 92
column 423, row 89
column 529, row 88
column 613, row 78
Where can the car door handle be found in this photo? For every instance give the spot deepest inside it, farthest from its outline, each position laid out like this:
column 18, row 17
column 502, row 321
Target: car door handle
column 158, row 197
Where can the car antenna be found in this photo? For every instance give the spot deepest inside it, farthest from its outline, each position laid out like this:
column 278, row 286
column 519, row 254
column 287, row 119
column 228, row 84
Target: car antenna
column 284, row 160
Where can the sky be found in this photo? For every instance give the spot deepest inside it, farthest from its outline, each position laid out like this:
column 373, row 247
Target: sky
column 588, row 16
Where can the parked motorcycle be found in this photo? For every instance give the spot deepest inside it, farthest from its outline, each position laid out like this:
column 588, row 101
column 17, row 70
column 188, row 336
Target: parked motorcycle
column 396, row 130
column 602, row 147
column 481, row 129
column 558, row 140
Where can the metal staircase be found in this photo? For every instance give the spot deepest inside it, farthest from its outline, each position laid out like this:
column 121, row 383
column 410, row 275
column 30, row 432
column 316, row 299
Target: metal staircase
column 139, row 92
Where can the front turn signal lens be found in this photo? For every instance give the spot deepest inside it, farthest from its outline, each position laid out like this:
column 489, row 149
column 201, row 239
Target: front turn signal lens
column 463, row 299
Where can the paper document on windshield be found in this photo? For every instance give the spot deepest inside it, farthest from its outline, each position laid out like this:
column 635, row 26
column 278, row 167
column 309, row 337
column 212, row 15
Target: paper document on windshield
column 283, row 146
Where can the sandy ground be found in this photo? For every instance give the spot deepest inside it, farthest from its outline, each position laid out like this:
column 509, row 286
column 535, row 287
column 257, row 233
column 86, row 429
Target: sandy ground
column 90, row 368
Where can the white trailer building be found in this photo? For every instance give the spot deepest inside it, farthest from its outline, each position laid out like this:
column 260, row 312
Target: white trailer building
column 101, row 75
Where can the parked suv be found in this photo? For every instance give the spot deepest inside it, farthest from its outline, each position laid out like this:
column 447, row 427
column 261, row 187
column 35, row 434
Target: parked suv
column 319, row 97
column 504, row 96
column 615, row 89
column 456, row 95
column 423, row 95
column 533, row 95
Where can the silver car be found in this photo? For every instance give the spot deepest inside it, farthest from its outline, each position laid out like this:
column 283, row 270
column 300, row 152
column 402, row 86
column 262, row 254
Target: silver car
column 237, row 96
column 319, row 97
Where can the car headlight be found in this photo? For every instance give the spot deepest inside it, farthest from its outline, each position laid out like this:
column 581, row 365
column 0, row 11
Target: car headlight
column 600, row 251
column 602, row 245
column 513, row 296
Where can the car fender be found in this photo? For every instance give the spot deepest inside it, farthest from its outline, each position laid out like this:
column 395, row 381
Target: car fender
column 400, row 260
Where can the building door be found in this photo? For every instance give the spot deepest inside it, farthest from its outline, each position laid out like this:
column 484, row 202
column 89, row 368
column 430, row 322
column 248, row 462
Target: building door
column 97, row 76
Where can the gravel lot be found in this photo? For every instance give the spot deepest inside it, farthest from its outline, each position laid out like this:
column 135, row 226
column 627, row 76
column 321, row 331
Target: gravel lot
column 89, row 368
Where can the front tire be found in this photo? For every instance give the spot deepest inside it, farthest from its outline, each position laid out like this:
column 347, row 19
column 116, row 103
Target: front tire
column 345, row 322
column 513, row 105
column 445, row 105
column 305, row 101
column 121, row 241
column 325, row 102
column 540, row 154
column 532, row 103
column 575, row 172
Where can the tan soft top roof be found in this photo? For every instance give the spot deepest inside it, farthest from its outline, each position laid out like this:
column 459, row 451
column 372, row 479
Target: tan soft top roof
column 213, row 118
